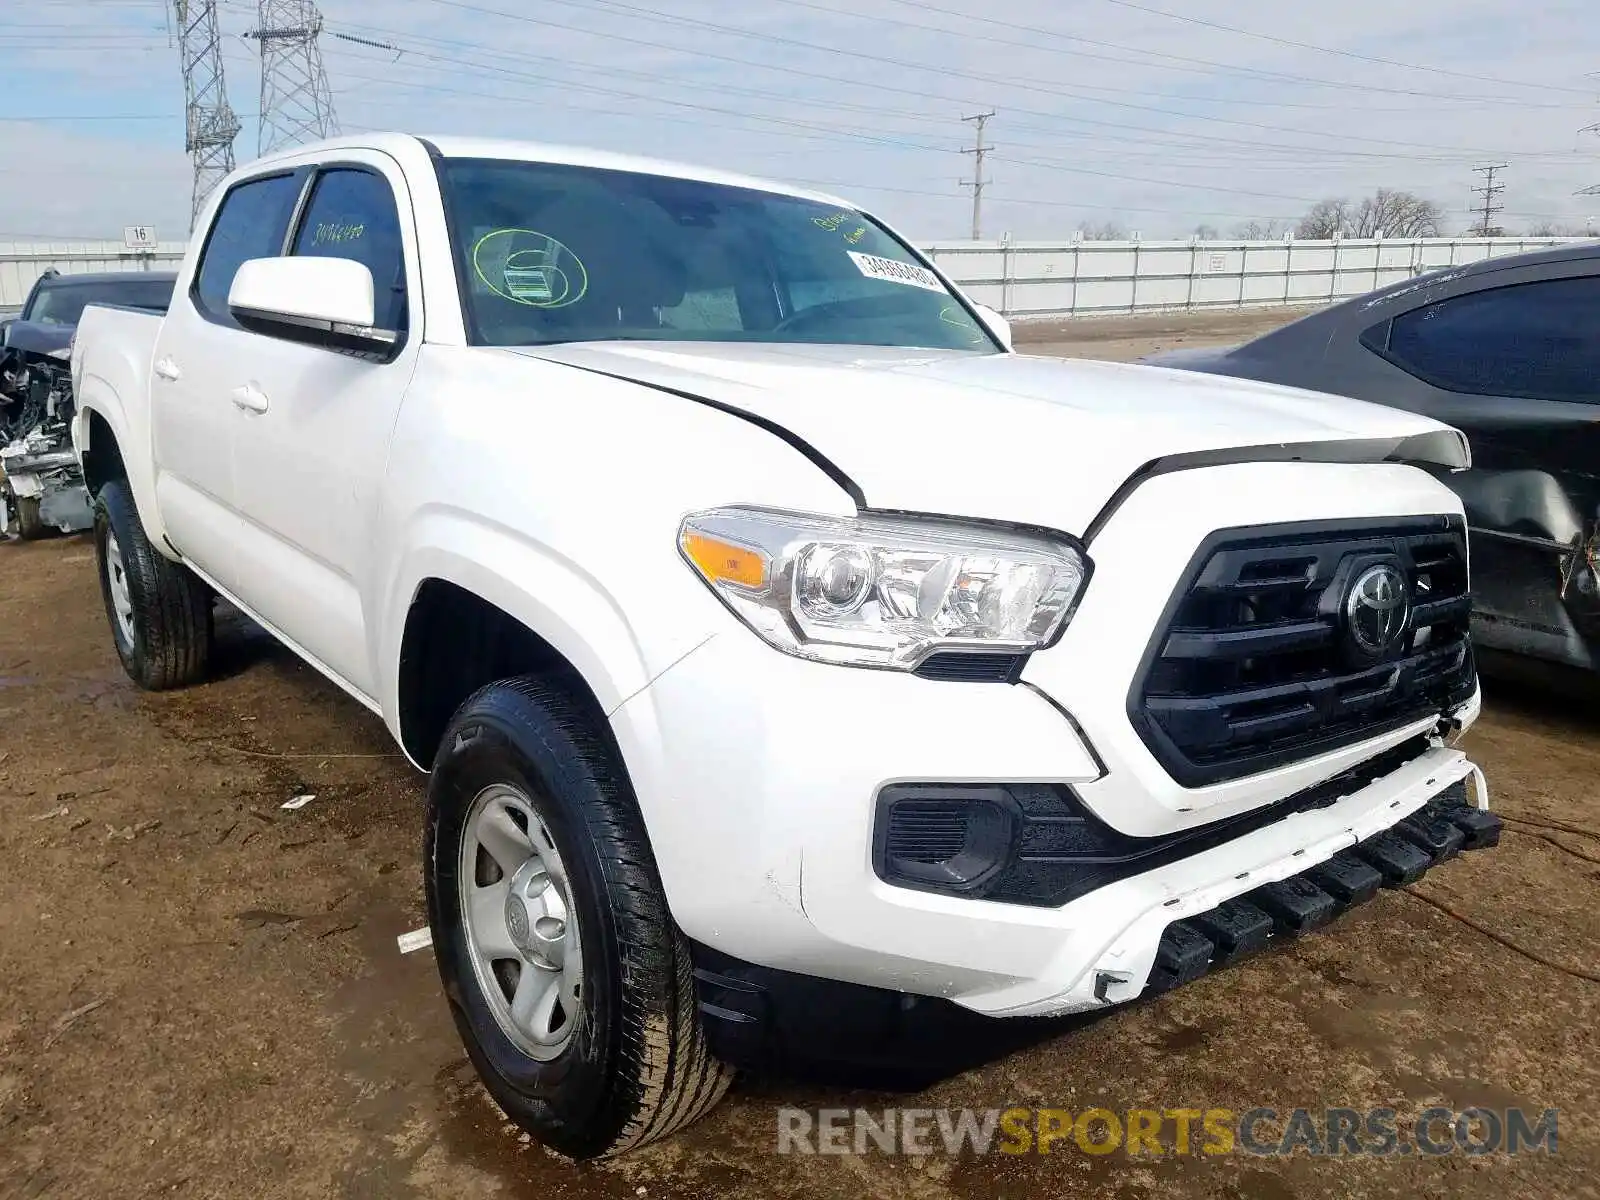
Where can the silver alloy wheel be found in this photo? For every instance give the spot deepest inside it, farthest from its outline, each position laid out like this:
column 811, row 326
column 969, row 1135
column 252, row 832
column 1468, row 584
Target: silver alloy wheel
column 521, row 926
column 121, row 598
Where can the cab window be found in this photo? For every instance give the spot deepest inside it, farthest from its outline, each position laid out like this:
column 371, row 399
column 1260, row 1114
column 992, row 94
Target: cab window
column 251, row 223
column 352, row 214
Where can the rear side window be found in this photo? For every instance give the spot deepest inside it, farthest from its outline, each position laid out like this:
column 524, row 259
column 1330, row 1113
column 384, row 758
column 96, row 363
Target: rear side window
column 63, row 303
column 352, row 215
column 252, row 223
column 1534, row 340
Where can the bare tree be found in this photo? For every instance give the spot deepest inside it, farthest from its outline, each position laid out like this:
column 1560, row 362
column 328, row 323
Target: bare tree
column 1558, row 229
column 1326, row 218
column 1396, row 214
column 1105, row 231
column 1391, row 213
column 1206, row 233
column 1259, row 231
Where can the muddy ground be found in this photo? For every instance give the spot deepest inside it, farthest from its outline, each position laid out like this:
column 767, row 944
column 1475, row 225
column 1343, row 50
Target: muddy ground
column 202, row 995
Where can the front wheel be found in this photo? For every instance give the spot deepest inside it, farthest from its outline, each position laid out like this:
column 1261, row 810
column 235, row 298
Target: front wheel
column 30, row 525
column 160, row 612
column 567, row 979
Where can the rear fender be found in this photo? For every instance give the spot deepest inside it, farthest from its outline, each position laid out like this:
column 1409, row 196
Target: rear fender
column 97, row 396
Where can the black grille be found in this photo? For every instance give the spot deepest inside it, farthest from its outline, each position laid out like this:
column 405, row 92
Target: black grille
column 963, row 667
column 1254, row 667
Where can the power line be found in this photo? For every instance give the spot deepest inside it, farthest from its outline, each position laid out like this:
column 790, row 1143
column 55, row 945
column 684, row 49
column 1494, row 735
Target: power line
column 813, row 128
column 1368, row 58
column 1490, row 191
column 922, row 94
column 834, row 52
column 977, row 181
column 456, row 62
column 990, row 80
column 1202, row 66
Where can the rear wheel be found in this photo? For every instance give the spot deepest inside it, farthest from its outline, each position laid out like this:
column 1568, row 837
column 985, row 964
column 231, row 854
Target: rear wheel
column 160, row 612
column 567, row 979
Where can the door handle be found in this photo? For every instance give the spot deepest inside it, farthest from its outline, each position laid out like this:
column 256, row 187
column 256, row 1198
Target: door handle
column 250, row 398
column 167, row 369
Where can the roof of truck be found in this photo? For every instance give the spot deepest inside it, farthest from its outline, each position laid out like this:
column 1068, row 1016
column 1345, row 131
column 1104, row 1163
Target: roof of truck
column 449, row 146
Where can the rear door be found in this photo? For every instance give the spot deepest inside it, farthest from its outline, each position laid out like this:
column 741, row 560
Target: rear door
column 312, row 445
column 194, row 419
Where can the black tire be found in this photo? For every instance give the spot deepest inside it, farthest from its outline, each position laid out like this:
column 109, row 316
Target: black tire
column 30, row 528
column 637, row 1067
column 172, row 628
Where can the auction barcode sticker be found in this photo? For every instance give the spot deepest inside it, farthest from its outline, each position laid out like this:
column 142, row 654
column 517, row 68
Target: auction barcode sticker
column 896, row 271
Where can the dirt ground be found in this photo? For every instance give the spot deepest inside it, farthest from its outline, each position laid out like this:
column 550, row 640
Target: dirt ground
column 203, row 998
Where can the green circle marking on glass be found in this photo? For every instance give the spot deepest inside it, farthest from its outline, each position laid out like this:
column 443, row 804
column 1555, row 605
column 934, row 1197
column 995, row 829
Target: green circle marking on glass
column 525, row 266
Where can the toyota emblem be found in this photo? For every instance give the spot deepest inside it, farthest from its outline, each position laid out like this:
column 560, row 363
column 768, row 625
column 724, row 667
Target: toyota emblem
column 1377, row 609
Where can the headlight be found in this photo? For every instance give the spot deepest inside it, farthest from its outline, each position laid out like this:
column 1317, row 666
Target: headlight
column 884, row 591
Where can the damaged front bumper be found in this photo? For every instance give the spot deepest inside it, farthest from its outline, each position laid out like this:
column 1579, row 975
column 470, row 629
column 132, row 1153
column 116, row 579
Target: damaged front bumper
column 42, row 470
column 1137, row 938
column 1300, row 903
column 1121, row 940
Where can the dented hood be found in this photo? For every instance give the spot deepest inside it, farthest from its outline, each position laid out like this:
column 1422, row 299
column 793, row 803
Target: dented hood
column 1010, row 437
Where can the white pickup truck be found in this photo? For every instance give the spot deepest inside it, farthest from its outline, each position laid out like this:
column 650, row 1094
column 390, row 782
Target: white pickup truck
column 789, row 655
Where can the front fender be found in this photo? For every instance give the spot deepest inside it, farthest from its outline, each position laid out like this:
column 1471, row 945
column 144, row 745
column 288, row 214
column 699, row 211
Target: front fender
column 547, row 593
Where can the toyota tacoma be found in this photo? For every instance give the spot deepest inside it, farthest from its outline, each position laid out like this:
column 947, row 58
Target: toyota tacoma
column 781, row 645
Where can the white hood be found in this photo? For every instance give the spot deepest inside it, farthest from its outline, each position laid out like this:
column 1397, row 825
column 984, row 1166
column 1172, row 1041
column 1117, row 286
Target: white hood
column 1010, row 437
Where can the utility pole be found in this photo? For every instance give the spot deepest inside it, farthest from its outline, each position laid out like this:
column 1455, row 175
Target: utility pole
column 296, row 101
column 210, row 124
column 1490, row 191
column 977, row 182
column 1594, row 189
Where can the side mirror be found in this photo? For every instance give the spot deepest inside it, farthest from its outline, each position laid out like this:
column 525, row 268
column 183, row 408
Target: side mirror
column 318, row 301
column 998, row 325
column 5, row 329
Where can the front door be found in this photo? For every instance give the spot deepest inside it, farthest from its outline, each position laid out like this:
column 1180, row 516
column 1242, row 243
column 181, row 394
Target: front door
column 313, row 432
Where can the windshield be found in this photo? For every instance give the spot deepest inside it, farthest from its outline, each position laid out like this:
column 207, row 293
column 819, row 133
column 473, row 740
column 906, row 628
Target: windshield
column 554, row 253
column 63, row 303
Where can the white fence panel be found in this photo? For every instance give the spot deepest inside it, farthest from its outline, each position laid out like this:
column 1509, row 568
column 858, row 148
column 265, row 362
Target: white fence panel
column 1049, row 279
column 23, row 262
column 1021, row 279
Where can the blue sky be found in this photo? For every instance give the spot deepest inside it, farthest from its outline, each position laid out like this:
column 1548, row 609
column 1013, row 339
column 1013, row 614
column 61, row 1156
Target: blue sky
column 1148, row 114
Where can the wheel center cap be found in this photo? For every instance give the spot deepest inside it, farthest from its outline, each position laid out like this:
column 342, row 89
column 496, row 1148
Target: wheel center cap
column 517, row 923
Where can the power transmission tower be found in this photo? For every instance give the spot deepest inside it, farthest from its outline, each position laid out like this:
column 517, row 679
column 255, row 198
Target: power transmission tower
column 296, row 101
column 1490, row 191
column 210, row 123
column 977, row 182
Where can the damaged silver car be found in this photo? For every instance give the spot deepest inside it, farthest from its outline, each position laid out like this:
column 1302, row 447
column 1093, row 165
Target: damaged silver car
column 41, row 486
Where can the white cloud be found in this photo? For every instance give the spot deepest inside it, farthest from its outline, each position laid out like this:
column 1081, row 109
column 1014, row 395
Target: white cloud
column 1084, row 132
